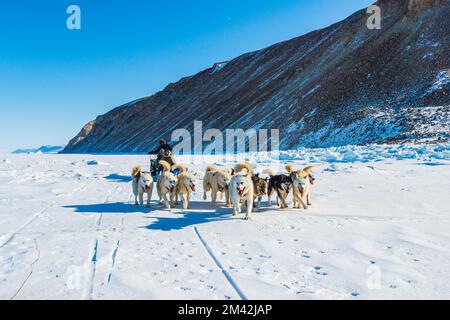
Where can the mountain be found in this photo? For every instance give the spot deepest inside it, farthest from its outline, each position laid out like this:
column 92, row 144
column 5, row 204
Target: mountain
column 43, row 149
column 344, row 84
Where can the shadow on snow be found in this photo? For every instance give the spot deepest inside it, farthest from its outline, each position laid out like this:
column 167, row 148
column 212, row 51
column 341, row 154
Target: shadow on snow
column 114, row 177
column 118, row 207
column 164, row 220
column 185, row 218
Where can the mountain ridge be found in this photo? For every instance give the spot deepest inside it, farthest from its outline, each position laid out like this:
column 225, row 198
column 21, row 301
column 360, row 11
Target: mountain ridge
column 343, row 84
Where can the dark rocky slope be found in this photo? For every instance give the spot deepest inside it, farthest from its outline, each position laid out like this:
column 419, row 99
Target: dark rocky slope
column 344, row 84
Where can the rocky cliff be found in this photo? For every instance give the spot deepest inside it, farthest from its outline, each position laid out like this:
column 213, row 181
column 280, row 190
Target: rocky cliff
column 344, row 84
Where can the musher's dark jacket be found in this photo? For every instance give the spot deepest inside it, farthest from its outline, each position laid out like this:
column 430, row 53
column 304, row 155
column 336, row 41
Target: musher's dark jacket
column 164, row 148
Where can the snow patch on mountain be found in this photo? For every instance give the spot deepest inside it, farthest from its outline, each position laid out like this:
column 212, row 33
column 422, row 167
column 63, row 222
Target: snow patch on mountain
column 442, row 80
column 311, row 91
column 219, row 66
column 426, row 124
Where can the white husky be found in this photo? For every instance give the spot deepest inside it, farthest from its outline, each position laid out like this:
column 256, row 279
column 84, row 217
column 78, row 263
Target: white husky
column 217, row 181
column 142, row 183
column 166, row 185
column 301, row 181
column 185, row 185
column 241, row 190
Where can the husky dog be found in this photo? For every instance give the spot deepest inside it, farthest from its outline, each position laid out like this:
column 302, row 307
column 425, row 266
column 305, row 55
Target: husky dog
column 259, row 188
column 241, row 189
column 142, row 183
column 281, row 184
column 302, row 181
column 166, row 185
column 185, row 185
column 217, row 181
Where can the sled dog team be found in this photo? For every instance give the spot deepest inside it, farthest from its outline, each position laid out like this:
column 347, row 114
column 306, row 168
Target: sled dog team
column 240, row 186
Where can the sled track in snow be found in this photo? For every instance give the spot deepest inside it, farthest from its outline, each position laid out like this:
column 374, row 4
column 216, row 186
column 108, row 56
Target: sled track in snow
column 88, row 293
column 91, row 264
column 219, row 265
column 38, row 256
column 90, row 274
column 114, row 256
column 8, row 238
column 113, row 261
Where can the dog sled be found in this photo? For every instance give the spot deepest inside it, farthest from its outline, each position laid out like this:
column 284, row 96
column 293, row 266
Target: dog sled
column 156, row 169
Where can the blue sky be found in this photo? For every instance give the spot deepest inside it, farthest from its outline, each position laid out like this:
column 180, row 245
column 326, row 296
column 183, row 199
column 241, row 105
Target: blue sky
column 54, row 80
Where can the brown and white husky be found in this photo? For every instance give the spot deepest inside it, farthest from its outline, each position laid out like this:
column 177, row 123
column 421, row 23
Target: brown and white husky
column 302, row 181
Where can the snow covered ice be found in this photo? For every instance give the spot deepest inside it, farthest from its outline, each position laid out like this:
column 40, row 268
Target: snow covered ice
column 378, row 229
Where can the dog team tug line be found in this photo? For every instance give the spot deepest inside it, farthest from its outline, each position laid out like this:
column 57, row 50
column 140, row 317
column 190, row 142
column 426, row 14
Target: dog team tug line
column 240, row 186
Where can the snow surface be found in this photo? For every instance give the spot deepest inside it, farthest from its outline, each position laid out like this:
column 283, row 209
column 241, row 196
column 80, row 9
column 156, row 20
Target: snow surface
column 378, row 228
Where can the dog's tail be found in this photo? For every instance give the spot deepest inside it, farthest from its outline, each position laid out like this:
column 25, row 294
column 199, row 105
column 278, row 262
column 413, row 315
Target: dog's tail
column 269, row 172
column 308, row 169
column 241, row 166
column 180, row 167
column 136, row 171
column 211, row 169
column 290, row 168
column 166, row 166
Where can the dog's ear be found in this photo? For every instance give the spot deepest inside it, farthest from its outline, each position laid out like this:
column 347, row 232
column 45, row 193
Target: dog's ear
column 257, row 175
column 232, row 171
